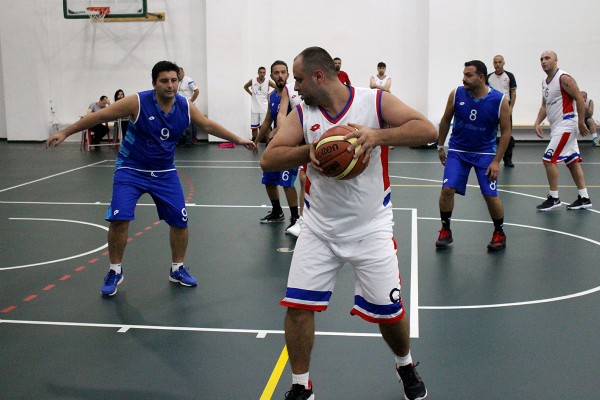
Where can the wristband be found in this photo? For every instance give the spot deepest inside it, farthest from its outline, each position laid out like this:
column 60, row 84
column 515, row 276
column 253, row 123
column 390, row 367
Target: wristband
column 440, row 147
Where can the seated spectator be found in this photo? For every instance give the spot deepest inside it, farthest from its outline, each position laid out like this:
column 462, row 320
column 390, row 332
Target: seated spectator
column 100, row 130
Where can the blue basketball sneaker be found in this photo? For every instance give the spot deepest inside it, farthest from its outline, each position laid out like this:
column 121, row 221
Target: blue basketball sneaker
column 183, row 277
column 111, row 280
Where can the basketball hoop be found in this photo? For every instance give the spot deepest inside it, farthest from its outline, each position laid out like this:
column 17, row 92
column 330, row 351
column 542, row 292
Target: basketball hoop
column 97, row 14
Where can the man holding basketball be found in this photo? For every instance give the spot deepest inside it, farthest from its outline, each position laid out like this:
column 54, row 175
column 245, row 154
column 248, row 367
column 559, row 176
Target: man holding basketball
column 477, row 109
column 145, row 164
column 345, row 220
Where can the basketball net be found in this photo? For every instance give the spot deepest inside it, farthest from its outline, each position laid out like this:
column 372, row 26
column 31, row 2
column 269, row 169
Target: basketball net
column 97, row 14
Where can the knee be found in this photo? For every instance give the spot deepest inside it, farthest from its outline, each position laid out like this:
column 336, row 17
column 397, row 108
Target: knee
column 299, row 316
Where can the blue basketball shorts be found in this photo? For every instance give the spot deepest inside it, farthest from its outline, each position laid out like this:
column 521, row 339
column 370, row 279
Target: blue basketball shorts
column 164, row 188
column 285, row 178
column 316, row 264
column 458, row 167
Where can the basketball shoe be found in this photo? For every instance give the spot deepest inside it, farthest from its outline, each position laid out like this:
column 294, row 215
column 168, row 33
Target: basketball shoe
column 273, row 217
column 300, row 392
column 444, row 239
column 580, row 203
column 414, row 388
column 294, row 227
column 111, row 281
column 183, row 277
column 498, row 241
column 549, row 204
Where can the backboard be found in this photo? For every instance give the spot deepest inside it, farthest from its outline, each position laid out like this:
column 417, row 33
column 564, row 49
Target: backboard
column 78, row 9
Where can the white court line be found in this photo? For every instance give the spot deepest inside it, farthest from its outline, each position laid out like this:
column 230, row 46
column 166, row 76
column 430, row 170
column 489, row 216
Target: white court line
column 105, row 245
column 519, row 303
column 476, row 186
column 50, row 176
column 123, row 328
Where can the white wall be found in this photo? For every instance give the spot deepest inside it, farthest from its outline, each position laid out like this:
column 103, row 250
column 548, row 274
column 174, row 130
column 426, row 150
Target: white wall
column 45, row 58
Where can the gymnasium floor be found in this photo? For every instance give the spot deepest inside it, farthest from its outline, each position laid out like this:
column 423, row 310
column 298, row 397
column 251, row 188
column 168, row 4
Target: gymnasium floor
column 521, row 323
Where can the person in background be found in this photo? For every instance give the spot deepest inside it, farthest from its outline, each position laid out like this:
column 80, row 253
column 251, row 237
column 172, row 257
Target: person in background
column 98, row 130
column 342, row 76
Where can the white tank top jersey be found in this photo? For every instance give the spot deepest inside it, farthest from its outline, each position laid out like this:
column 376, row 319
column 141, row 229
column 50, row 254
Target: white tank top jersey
column 559, row 105
column 348, row 210
column 382, row 81
column 259, row 96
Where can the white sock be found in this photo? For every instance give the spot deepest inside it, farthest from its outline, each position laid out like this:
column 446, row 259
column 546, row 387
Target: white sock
column 594, row 135
column 175, row 266
column 402, row 361
column 583, row 193
column 553, row 193
column 301, row 379
column 116, row 268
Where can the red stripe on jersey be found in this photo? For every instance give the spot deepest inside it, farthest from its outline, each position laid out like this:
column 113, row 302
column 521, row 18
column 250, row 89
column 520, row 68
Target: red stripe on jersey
column 307, row 186
column 567, row 100
column 384, row 165
column 561, row 145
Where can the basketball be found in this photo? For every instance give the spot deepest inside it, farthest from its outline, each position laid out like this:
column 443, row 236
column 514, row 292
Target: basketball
column 331, row 152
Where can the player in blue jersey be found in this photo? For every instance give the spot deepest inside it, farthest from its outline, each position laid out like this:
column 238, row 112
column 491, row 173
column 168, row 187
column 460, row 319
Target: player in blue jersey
column 145, row 164
column 287, row 178
column 477, row 110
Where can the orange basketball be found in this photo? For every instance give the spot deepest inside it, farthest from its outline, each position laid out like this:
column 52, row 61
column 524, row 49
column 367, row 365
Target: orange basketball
column 331, row 152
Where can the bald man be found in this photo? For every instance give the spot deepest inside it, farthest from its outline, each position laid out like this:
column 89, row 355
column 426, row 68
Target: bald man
column 563, row 105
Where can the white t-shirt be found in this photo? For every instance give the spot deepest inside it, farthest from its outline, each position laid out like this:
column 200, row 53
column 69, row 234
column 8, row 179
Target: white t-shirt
column 187, row 86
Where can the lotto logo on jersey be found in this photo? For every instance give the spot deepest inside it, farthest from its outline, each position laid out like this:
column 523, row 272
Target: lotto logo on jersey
column 315, row 127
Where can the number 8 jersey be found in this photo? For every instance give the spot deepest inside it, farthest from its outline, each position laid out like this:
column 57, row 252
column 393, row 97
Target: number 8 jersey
column 475, row 121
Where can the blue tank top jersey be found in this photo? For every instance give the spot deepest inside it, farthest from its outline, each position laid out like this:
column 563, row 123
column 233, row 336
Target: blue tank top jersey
column 475, row 121
column 149, row 144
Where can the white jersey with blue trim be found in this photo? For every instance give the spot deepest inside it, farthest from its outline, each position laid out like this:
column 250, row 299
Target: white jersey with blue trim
column 293, row 95
column 347, row 210
column 149, row 144
column 559, row 104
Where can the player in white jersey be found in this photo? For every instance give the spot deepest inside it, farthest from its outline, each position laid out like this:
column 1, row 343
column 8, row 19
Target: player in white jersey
column 258, row 89
column 381, row 80
column 564, row 107
column 345, row 221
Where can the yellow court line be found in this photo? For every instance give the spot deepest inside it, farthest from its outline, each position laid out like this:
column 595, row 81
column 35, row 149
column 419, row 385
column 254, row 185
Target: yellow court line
column 275, row 375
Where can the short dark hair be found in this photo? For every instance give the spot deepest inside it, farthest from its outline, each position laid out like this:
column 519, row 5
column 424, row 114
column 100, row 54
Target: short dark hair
column 337, row 58
column 103, row 97
column 381, row 64
column 314, row 58
column 259, row 68
column 479, row 66
column 278, row 62
column 163, row 66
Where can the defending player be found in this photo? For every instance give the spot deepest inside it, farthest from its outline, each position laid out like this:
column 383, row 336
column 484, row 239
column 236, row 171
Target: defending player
column 477, row 109
column 145, row 164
